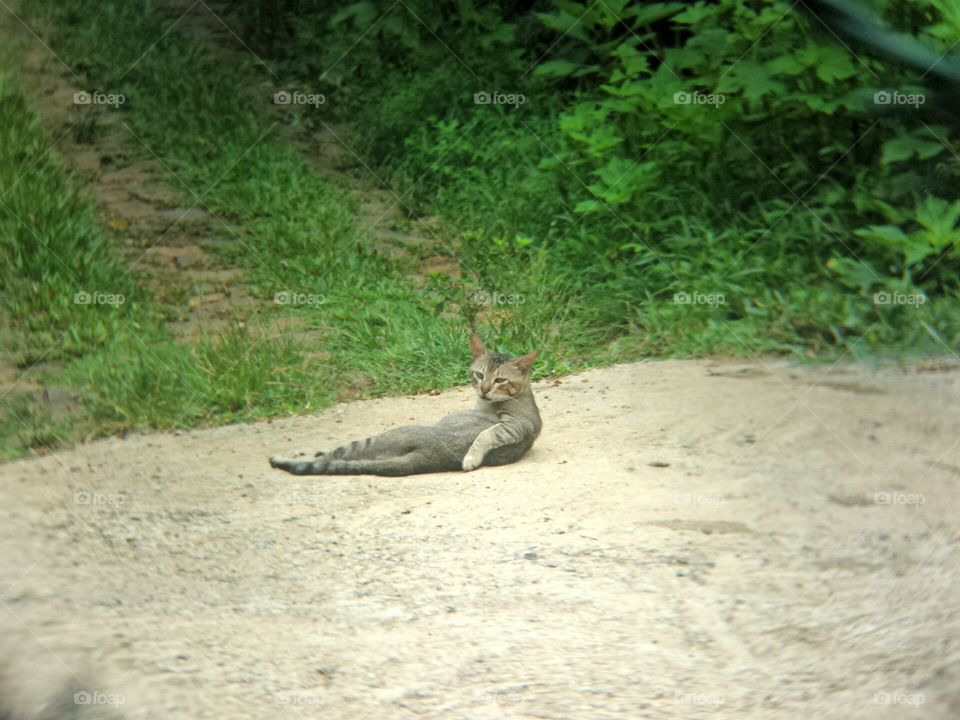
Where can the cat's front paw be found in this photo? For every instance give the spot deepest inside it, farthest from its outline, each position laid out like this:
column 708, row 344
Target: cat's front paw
column 472, row 460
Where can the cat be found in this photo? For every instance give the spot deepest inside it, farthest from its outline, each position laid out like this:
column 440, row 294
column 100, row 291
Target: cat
column 498, row 431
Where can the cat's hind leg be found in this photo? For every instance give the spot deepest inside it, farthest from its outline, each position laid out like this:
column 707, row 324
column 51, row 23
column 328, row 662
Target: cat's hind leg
column 392, row 443
column 359, row 451
column 393, row 453
column 299, row 466
column 407, row 464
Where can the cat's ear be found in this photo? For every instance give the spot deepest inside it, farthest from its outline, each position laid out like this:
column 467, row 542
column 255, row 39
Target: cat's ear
column 526, row 362
column 476, row 347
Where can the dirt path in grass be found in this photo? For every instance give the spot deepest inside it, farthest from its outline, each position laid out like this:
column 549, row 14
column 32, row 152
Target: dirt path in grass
column 385, row 215
column 686, row 540
column 162, row 227
column 166, row 235
column 164, row 232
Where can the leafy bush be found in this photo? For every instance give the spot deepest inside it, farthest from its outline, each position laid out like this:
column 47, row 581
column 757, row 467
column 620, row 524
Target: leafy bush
column 726, row 147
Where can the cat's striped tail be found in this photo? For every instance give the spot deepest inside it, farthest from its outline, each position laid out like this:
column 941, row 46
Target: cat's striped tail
column 391, row 467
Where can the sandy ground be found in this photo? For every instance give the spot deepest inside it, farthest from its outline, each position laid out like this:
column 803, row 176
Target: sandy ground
column 686, row 540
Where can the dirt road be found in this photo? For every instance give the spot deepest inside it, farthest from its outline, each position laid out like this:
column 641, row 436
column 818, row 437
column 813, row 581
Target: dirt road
column 686, row 540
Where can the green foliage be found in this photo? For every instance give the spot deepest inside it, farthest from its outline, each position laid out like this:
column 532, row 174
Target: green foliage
column 663, row 147
column 369, row 329
column 933, row 233
column 601, row 161
column 238, row 375
column 69, row 303
column 51, row 249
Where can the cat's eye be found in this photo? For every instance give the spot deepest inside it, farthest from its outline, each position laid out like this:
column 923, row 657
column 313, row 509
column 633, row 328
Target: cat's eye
column 478, row 375
column 500, row 380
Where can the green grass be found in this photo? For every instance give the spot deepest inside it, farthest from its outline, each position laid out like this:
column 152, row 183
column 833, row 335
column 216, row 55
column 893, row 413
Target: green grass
column 118, row 354
column 719, row 216
column 366, row 327
column 237, row 375
column 769, row 264
column 51, row 249
column 199, row 114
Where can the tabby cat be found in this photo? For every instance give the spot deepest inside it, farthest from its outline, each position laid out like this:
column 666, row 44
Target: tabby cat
column 498, row 431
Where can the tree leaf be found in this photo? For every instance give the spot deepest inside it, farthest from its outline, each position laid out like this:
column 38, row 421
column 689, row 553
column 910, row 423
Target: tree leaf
column 889, row 235
column 786, row 65
column 834, row 64
column 556, row 69
column 565, row 24
column 907, row 147
column 855, row 273
column 646, row 14
column 752, row 79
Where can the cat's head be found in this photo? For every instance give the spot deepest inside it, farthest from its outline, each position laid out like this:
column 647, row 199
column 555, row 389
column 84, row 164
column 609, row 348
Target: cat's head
column 497, row 377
